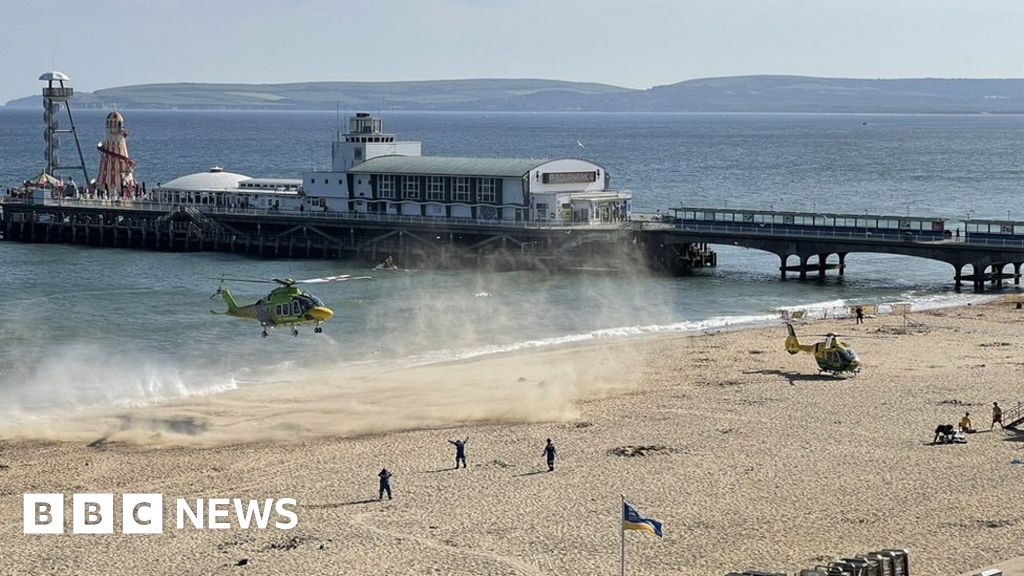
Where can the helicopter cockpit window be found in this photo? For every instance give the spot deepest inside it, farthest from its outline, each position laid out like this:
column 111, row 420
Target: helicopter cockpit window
column 309, row 302
column 847, row 355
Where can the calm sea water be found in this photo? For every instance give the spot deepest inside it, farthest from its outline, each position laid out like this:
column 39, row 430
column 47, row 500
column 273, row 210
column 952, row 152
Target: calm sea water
column 85, row 326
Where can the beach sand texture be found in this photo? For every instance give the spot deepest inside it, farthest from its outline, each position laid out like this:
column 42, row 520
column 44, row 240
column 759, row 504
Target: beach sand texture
column 754, row 461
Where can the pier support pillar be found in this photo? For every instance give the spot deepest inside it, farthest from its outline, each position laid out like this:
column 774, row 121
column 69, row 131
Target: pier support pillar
column 803, row 267
column 958, row 277
column 822, row 262
column 782, row 267
column 1016, row 272
column 842, row 264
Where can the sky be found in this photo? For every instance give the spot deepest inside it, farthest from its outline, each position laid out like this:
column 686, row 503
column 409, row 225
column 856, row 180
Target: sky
column 631, row 43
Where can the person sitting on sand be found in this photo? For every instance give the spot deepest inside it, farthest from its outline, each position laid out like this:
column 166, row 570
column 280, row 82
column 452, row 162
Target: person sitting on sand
column 965, row 423
column 385, row 483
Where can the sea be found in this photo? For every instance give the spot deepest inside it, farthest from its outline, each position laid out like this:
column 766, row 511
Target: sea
column 88, row 327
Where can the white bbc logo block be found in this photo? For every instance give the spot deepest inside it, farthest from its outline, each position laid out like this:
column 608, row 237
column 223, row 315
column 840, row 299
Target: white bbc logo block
column 92, row 513
column 142, row 513
column 42, row 513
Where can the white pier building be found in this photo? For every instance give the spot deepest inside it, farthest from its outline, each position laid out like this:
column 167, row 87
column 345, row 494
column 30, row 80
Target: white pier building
column 373, row 173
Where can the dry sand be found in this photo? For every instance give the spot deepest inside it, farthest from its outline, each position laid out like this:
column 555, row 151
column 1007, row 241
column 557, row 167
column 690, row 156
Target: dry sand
column 760, row 463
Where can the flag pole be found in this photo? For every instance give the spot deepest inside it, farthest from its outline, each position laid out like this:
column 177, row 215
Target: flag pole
column 622, row 534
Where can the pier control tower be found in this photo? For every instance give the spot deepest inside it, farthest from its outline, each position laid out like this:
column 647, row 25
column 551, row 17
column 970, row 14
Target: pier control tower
column 366, row 139
column 56, row 95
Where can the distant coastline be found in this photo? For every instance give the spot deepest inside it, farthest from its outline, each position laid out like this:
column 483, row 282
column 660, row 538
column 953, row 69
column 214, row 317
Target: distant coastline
column 766, row 94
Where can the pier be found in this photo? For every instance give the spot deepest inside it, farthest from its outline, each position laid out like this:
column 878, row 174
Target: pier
column 661, row 244
column 412, row 240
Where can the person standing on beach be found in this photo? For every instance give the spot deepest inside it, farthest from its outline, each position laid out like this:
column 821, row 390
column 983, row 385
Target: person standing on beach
column 549, row 452
column 460, row 451
column 385, row 483
column 860, row 314
column 997, row 416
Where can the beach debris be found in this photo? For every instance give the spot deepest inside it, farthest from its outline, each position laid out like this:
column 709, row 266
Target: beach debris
column 583, row 424
column 989, row 344
column 954, row 402
column 496, row 464
column 289, row 544
column 632, row 451
column 242, row 562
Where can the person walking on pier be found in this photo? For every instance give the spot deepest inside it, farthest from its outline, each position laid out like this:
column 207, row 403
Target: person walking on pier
column 997, row 416
column 549, row 452
column 385, row 483
column 460, row 451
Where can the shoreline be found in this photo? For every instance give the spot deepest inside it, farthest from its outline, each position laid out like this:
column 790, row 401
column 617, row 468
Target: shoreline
column 582, row 343
column 752, row 460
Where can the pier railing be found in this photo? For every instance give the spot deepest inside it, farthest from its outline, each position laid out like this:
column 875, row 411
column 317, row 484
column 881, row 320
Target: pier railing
column 207, row 210
column 788, row 232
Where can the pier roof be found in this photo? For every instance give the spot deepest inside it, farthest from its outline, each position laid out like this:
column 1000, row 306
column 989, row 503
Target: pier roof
column 215, row 179
column 448, row 166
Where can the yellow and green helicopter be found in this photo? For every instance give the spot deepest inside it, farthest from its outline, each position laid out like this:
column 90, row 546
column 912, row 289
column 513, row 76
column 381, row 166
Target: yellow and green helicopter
column 286, row 305
column 832, row 355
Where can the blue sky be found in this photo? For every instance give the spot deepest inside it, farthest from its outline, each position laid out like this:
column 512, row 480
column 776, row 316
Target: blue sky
column 634, row 43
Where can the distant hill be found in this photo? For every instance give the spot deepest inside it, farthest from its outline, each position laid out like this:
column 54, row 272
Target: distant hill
column 732, row 94
column 420, row 95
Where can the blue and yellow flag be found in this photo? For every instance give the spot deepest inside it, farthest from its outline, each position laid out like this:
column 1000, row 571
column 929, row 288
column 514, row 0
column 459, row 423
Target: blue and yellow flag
column 632, row 520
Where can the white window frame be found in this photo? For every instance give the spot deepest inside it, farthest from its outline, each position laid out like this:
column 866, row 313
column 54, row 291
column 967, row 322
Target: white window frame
column 461, row 190
column 411, row 188
column 488, row 191
column 435, row 188
column 386, row 186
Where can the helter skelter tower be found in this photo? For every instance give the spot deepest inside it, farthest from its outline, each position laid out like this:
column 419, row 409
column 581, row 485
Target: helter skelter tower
column 116, row 175
column 56, row 95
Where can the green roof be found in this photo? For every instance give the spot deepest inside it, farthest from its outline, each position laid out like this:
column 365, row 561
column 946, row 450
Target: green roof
column 445, row 166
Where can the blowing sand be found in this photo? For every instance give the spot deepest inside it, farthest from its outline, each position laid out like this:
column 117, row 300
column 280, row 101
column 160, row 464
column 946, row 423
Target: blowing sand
column 753, row 461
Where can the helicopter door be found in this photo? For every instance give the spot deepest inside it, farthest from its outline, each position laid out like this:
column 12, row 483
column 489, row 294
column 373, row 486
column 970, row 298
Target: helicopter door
column 296, row 308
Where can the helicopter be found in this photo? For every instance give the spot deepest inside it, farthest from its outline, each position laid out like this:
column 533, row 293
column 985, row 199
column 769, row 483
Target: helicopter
column 286, row 305
column 832, row 355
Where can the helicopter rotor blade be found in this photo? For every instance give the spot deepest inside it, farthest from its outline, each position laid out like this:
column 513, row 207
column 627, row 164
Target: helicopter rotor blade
column 326, row 279
column 254, row 280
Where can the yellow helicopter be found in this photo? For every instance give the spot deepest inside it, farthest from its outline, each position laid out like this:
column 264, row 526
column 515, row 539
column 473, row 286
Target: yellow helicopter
column 286, row 305
column 832, row 354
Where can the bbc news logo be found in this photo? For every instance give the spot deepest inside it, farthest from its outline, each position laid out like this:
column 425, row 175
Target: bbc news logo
column 144, row 513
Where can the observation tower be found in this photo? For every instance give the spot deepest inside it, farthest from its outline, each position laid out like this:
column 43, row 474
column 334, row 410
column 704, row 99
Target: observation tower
column 56, row 95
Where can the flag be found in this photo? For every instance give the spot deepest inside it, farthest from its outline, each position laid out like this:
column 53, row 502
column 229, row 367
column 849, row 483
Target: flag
column 632, row 520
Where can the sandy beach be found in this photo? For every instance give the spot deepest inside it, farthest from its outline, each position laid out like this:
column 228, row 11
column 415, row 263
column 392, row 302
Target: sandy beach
column 752, row 461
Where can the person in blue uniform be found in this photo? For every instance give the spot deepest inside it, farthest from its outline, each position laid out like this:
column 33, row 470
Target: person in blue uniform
column 460, row 451
column 385, row 483
column 549, row 453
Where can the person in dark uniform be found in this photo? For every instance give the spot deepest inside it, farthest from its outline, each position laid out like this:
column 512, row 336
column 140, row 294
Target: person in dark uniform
column 860, row 315
column 997, row 416
column 385, row 483
column 549, row 452
column 460, row 451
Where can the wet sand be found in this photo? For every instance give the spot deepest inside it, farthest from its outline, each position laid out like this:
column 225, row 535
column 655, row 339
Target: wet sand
column 751, row 460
